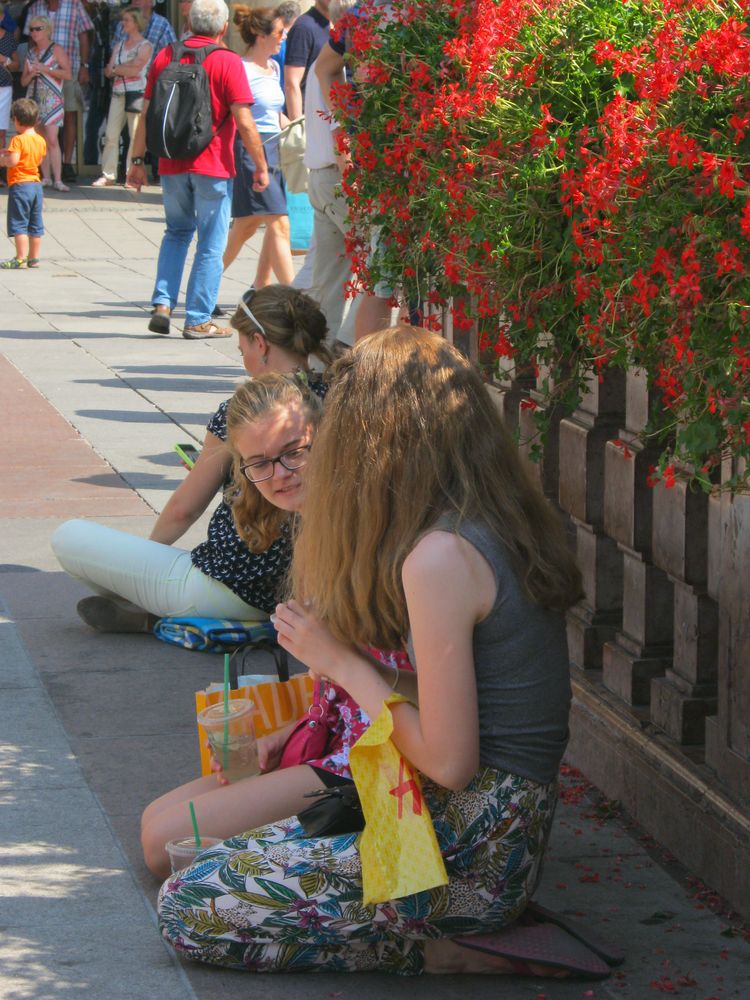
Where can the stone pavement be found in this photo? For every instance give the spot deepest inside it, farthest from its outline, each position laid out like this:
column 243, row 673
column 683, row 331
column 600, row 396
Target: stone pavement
column 92, row 727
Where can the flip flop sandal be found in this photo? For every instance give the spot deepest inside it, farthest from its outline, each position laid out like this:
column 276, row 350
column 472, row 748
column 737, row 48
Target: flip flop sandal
column 538, row 944
column 32, row 262
column 600, row 947
column 14, row 264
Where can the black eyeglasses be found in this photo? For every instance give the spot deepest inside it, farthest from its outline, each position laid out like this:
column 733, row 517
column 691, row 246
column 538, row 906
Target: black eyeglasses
column 259, row 472
column 37, row 27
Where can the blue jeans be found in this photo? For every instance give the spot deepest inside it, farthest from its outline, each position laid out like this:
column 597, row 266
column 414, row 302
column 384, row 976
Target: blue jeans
column 193, row 202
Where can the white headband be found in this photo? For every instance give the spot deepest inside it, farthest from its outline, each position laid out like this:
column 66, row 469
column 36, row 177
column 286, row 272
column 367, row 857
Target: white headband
column 251, row 317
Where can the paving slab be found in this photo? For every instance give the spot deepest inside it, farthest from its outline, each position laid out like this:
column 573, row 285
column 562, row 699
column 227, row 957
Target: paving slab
column 93, row 727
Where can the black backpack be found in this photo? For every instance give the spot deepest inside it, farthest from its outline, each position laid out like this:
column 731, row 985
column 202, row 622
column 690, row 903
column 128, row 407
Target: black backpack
column 179, row 125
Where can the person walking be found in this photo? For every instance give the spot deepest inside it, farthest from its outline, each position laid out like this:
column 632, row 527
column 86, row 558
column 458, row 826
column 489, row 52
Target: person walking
column 306, row 38
column 197, row 192
column 127, row 68
column 331, row 267
column 45, row 71
column 71, row 28
column 262, row 30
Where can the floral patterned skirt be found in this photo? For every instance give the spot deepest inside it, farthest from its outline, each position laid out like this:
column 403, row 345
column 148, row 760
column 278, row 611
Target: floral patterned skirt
column 273, row 900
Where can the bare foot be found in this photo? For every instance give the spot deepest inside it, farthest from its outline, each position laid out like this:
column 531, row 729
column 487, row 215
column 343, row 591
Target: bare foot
column 444, row 957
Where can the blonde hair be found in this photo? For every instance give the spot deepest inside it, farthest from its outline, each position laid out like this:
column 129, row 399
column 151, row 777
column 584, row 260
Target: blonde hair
column 43, row 20
column 137, row 14
column 410, row 433
column 258, row 521
column 289, row 318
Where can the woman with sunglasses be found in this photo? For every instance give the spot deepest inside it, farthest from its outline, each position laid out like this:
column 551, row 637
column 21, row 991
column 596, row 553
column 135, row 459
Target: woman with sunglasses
column 46, row 68
column 141, row 580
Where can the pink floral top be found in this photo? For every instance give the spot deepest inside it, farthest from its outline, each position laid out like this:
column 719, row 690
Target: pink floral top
column 348, row 721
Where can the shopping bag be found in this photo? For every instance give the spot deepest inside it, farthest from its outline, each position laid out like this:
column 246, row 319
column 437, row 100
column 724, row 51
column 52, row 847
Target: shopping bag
column 300, row 220
column 398, row 847
column 292, row 155
column 276, row 705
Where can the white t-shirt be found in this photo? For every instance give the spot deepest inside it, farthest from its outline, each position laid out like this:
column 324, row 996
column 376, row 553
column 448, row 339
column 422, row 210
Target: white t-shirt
column 319, row 149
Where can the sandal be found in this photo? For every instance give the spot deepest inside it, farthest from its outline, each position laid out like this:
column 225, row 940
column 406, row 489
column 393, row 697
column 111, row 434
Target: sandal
column 102, row 181
column 14, row 264
column 59, row 186
column 540, row 914
column 32, row 262
column 532, row 945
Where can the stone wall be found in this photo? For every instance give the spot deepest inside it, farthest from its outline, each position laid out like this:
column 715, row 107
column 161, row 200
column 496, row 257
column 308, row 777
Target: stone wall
column 660, row 645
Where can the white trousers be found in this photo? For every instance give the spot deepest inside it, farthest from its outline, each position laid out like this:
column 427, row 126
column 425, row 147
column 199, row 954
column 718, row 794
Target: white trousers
column 115, row 123
column 158, row 578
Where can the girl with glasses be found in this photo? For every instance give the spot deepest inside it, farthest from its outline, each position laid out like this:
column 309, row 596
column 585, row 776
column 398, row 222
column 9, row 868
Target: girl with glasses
column 270, row 422
column 140, row 580
column 440, row 542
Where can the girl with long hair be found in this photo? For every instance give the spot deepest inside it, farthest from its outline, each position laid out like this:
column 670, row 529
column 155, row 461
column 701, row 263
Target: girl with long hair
column 140, row 580
column 442, row 544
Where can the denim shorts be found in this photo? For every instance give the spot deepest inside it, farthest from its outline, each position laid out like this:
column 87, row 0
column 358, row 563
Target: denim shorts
column 25, row 209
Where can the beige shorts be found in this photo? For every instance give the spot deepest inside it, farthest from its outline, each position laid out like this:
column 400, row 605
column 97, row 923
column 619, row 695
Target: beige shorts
column 72, row 96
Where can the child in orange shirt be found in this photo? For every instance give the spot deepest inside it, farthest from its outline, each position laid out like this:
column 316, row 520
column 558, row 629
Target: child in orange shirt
column 23, row 157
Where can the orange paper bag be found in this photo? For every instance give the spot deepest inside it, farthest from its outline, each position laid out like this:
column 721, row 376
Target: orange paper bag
column 277, row 704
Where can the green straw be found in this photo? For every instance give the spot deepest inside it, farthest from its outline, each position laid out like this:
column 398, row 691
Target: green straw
column 226, row 709
column 194, row 821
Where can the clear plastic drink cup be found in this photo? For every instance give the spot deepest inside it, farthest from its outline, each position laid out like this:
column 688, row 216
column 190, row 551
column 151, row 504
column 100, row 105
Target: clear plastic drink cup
column 182, row 852
column 232, row 737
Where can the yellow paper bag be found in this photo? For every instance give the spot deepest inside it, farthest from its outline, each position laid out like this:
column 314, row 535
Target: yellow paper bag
column 276, row 705
column 398, row 848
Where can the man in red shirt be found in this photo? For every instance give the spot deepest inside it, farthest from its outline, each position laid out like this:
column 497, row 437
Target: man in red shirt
column 197, row 193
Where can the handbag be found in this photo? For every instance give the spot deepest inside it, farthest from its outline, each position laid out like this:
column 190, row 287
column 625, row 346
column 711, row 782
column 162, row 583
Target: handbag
column 336, row 811
column 133, row 101
column 310, row 737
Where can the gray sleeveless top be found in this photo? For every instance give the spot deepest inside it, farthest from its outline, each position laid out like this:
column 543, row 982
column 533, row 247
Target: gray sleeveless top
column 521, row 662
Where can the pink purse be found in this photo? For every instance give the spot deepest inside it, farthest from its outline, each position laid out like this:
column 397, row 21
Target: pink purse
column 310, row 737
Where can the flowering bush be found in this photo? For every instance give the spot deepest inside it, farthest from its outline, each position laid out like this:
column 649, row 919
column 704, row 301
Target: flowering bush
column 574, row 176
